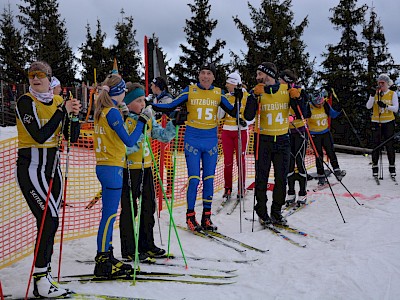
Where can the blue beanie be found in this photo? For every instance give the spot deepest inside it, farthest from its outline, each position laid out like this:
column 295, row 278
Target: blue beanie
column 132, row 95
column 117, row 89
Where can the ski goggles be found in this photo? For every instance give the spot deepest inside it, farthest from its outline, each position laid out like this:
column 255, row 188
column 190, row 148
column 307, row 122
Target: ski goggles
column 38, row 74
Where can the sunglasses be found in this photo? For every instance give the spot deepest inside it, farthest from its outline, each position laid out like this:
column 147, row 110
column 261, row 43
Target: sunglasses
column 38, row 74
column 381, row 82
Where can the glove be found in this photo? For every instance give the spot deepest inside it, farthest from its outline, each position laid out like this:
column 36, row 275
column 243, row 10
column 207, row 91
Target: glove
column 372, row 92
column 242, row 122
column 259, row 89
column 146, row 114
column 294, row 93
column 381, row 104
column 123, row 108
column 238, row 92
column 179, row 117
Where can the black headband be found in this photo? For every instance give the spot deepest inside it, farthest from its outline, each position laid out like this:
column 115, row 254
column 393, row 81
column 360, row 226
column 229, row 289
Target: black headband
column 270, row 72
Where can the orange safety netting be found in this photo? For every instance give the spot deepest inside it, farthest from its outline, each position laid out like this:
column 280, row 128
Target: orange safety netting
column 18, row 226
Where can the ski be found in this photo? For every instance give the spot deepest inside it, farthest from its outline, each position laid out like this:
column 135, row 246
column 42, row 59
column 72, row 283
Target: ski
column 222, row 205
column 82, row 296
column 235, row 204
column 322, row 187
column 228, row 238
column 394, row 180
column 299, row 232
column 299, row 207
column 276, row 232
column 163, row 274
column 205, row 235
column 141, row 279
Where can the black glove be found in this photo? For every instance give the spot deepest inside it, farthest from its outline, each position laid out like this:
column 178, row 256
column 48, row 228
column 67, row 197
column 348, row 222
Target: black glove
column 238, row 92
column 242, row 122
column 146, row 114
column 179, row 117
column 381, row 104
column 372, row 92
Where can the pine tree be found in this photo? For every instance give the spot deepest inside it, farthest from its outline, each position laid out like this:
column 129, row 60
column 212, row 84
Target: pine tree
column 343, row 69
column 274, row 37
column 12, row 54
column 47, row 38
column 379, row 60
column 198, row 30
column 95, row 56
column 126, row 51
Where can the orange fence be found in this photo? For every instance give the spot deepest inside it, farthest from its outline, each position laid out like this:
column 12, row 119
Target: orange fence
column 17, row 224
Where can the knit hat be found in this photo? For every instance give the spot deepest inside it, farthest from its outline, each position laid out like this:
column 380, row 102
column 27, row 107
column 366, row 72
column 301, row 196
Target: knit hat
column 234, row 78
column 133, row 95
column 209, row 66
column 117, row 89
column 288, row 76
column 319, row 97
column 267, row 68
column 54, row 82
column 385, row 77
column 160, row 83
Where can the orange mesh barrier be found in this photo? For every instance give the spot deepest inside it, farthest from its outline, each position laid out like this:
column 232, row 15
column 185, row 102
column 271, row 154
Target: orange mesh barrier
column 18, row 226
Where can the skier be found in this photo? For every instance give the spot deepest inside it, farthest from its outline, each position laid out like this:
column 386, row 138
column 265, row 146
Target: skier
column 110, row 136
column 135, row 101
column 201, row 142
column 230, row 138
column 271, row 138
column 40, row 115
column 319, row 129
column 298, row 145
column 385, row 104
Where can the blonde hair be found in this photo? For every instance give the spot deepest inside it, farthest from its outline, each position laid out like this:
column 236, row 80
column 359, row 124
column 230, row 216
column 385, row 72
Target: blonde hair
column 104, row 100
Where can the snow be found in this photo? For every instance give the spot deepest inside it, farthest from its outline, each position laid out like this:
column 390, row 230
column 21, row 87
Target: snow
column 362, row 262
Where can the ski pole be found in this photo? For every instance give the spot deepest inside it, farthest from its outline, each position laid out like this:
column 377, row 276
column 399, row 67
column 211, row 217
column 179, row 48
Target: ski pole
column 239, row 156
column 137, row 227
column 173, row 185
column 166, row 200
column 256, row 158
column 53, row 171
column 65, row 191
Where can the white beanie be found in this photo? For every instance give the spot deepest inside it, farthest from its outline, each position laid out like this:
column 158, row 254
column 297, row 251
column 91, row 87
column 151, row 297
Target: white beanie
column 234, row 78
column 54, row 82
column 386, row 78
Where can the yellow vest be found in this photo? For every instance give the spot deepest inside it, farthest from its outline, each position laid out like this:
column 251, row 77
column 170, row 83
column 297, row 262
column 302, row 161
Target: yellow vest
column 44, row 113
column 202, row 106
column 319, row 119
column 109, row 148
column 274, row 112
column 134, row 160
column 385, row 114
column 229, row 120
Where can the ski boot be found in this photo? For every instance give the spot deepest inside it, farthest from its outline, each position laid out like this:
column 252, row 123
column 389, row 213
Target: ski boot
column 240, row 195
column 321, row 180
column 290, row 199
column 206, row 222
column 375, row 170
column 392, row 170
column 107, row 266
column 227, row 193
column 265, row 220
column 339, row 174
column 43, row 287
column 156, row 252
column 142, row 258
column 54, row 282
column 277, row 218
column 191, row 221
column 302, row 199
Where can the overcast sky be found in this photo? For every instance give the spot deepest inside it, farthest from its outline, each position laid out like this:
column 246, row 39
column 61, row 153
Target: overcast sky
column 167, row 19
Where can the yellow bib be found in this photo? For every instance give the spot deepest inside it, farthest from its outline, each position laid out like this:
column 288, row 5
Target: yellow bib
column 380, row 114
column 274, row 112
column 109, row 148
column 228, row 120
column 319, row 119
column 203, row 107
column 134, row 159
column 43, row 113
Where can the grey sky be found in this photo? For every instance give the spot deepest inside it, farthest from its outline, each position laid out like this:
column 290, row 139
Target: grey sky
column 167, row 19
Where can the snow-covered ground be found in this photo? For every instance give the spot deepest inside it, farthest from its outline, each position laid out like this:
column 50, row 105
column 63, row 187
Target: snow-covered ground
column 363, row 261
